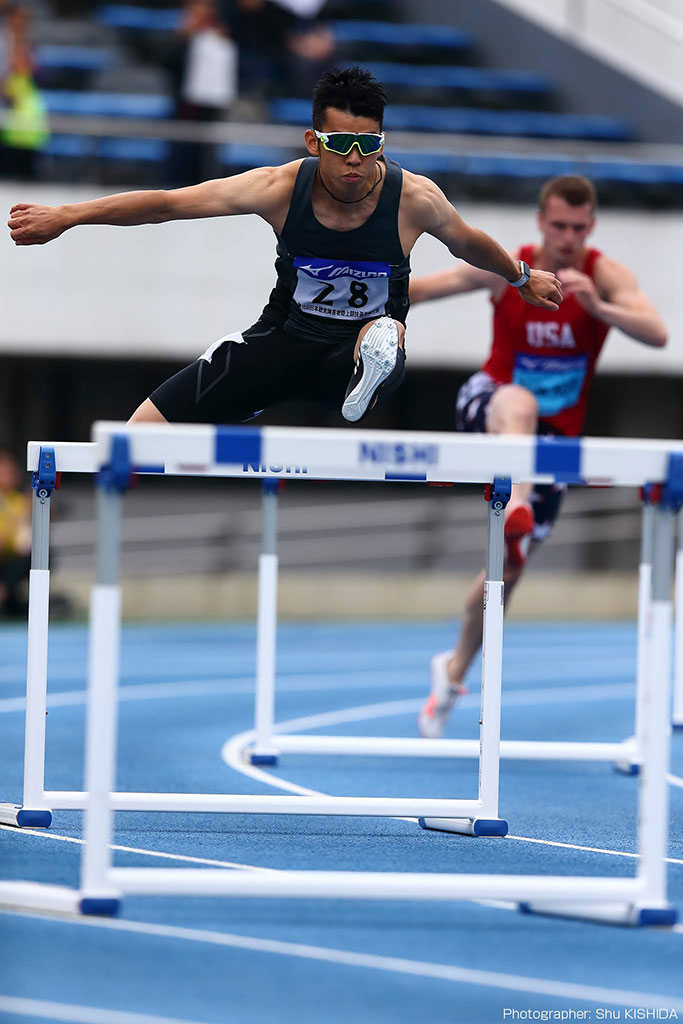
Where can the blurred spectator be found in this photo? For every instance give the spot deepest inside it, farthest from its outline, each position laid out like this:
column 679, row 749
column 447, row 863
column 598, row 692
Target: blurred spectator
column 205, row 72
column 24, row 129
column 278, row 51
column 15, row 539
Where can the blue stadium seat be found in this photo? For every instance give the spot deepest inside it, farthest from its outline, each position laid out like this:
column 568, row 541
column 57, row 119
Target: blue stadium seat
column 462, row 120
column 64, row 101
column 509, row 166
column 437, row 77
column 81, row 58
column 83, row 147
column 141, row 18
column 387, row 34
column 234, row 154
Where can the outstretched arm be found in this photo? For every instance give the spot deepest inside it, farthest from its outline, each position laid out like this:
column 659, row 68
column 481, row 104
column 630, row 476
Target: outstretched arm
column 455, row 281
column 435, row 215
column 258, row 191
column 616, row 299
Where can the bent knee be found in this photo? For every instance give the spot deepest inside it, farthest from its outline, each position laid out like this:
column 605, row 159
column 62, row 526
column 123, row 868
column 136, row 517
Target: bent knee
column 397, row 323
column 513, row 409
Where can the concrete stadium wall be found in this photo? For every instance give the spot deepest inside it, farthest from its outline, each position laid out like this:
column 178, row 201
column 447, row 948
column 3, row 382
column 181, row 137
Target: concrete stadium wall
column 354, row 596
column 168, row 291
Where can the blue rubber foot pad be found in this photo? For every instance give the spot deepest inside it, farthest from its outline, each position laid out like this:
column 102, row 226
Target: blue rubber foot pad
column 421, row 822
column 34, row 819
column 677, row 726
column 525, row 908
column 657, row 917
column 631, row 769
column 102, row 907
column 270, row 759
column 490, row 827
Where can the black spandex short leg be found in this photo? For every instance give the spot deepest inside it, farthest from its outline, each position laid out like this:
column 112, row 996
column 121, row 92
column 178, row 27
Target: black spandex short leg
column 241, row 378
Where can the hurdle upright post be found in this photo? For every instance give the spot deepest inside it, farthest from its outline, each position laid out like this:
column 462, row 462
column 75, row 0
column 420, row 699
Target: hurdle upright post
column 488, row 824
column 264, row 751
column 632, row 765
column 97, row 894
column 653, row 813
column 677, row 717
column 31, row 813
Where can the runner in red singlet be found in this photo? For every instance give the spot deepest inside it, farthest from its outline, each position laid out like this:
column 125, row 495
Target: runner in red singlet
column 537, row 379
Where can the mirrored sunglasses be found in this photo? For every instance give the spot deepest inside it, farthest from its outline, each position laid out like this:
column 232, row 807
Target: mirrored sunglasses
column 343, row 142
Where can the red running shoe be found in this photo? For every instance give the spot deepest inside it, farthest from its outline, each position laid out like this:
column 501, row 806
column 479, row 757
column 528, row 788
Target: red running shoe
column 518, row 527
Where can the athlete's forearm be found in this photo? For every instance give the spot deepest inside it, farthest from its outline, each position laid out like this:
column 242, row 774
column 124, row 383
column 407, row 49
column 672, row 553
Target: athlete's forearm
column 124, row 209
column 642, row 325
column 454, row 281
column 483, row 252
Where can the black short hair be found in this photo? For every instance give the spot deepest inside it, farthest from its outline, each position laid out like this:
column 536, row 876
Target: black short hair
column 353, row 90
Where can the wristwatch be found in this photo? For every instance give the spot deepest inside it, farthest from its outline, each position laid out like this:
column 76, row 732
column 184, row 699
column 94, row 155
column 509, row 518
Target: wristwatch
column 524, row 276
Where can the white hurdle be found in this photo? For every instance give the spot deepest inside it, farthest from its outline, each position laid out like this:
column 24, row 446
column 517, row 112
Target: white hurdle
column 379, row 456
column 45, row 458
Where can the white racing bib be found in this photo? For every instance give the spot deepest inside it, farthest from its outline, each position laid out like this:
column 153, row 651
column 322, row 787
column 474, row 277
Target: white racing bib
column 341, row 289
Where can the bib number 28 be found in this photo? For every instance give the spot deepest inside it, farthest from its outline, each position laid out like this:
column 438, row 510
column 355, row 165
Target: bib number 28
column 342, row 291
column 358, row 296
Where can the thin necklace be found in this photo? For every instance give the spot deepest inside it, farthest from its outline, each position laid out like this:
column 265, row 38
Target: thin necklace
column 350, row 201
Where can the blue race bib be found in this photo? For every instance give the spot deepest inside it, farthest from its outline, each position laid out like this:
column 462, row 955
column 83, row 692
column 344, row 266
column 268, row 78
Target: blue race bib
column 341, row 289
column 556, row 383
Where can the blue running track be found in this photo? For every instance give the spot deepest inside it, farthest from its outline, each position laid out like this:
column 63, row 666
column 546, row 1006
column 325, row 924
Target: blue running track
column 186, row 690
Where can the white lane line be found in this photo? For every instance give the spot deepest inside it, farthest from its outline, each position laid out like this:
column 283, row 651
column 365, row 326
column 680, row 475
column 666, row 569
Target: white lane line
column 133, row 849
column 587, row 849
column 396, row 965
column 232, row 753
column 675, row 780
column 244, row 686
column 72, row 1014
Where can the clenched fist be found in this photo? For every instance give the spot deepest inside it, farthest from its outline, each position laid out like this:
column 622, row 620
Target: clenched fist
column 30, row 224
column 542, row 289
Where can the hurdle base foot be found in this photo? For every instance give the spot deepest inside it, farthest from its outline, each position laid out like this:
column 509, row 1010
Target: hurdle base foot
column 264, row 756
column 607, row 913
column 99, row 906
column 677, row 725
column 25, row 817
column 466, row 826
column 627, row 767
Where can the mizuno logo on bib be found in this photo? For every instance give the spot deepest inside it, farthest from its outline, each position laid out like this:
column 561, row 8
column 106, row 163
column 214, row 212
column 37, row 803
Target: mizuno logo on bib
column 556, row 383
column 341, row 289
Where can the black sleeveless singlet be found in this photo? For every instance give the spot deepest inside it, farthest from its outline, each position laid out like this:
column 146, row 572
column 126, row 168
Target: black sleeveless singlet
column 330, row 283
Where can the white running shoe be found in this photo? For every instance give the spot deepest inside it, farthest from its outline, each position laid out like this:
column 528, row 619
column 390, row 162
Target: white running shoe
column 442, row 698
column 378, row 359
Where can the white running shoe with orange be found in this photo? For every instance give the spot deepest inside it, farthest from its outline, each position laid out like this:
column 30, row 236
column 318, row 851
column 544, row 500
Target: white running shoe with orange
column 442, row 698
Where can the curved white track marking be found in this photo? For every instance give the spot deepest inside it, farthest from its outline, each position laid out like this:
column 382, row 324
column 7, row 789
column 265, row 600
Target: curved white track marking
column 72, row 1014
column 675, row 780
column 132, row 849
column 393, row 964
column 233, row 749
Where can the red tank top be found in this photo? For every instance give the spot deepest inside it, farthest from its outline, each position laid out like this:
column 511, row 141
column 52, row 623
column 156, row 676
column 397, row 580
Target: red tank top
column 553, row 354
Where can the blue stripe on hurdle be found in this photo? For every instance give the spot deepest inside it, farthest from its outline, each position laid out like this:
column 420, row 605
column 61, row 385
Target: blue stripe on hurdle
column 150, row 469
column 560, row 456
column 406, row 476
column 238, row 444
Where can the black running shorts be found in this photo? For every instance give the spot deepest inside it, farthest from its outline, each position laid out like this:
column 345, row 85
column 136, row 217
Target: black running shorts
column 243, row 374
